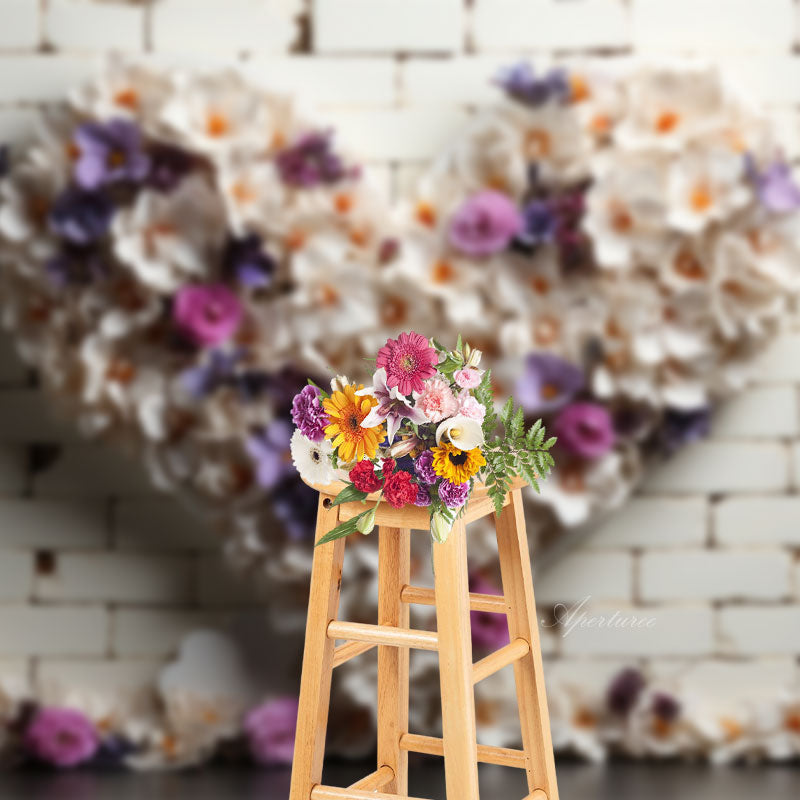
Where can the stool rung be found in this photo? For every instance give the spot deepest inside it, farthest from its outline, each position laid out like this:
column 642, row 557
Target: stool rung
column 383, row 634
column 512, row 652
column 431, row 746
column 375, row 781
column 494, row 604
column 345, row 652
column 331, row 793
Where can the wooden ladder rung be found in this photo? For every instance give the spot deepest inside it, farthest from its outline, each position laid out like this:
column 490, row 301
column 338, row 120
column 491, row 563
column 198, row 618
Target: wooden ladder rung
column 331, row 793
column 345, row 652
column 383, row 634
column 375, row 781
column 512, row 652
column 431, row 746
column 494, row 604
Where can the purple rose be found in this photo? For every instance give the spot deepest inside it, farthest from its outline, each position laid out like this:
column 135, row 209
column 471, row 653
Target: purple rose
column 423, row 499
column 62, row 737
column 453, row 495
column 271, row 729
column 308, row 414
column 110, row 153
column 585, row 429
column 208, row 315
column 79, row 217
column 423, row 466
column 548, row 383
column 485, row 224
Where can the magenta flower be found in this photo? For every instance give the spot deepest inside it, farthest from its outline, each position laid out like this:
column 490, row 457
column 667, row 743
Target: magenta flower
column 489, row 631
column 453, row 495
column 585, row 429
column 271, row 729
column 62, row 737
column 308, row 413
column 208, row 315
column 485, row 224
column 409, row 360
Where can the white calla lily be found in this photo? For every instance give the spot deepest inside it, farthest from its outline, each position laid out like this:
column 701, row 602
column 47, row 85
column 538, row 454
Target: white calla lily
column 461, row 431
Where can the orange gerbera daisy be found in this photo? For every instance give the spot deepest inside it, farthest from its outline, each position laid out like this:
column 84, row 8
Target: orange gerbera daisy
column 347, row 411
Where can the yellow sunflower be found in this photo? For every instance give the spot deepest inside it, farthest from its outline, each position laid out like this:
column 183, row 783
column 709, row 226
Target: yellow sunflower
column 346, row 412
column 457, row 466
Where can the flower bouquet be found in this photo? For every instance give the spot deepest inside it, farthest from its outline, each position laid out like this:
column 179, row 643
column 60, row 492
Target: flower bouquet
column 420, row 435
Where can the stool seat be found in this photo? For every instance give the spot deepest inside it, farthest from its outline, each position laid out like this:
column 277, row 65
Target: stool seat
column 452, row 641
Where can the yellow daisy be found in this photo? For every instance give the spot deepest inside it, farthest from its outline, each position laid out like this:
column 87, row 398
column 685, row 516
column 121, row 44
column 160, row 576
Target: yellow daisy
column 346, row 412
column 457, row 466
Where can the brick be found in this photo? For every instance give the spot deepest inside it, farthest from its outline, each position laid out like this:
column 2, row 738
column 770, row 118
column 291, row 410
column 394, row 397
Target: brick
column 219, row 585
column 680, row 631
column 44, row 524
column 377, row 26
column 48, row 77
column 15, row 677
column 328, row 81
column 795, row 450
column 27, row 415
column 118, row 577
column 550, row 24
column 157, row 632
column 722, row 467
column 763, row 412
column 780, row 362
column 771, row 79
column 90, row 470
column 603, row 576
column 738, row 25
column 591, row 675
column 161, row 524
column 78, row 25
column 758, row 520
column 53, row 630
column 12, row 469
column 763, row 630
column 20, row 28
column 16, row 576
column 463, row 80
column 714, row 575
column 203, row 26
column 16, row 127
column 652, row 522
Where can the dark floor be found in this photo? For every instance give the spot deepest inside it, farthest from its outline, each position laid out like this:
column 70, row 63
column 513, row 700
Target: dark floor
column 576, row 782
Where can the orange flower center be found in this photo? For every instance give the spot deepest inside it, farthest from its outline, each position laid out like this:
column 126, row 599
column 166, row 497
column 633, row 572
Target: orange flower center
column 688, row 266
column 442, row 272
column 217, row 124
column 127, row 98
column 426, row 214
column 667, row 121
column 538, row 143
column 701, row 198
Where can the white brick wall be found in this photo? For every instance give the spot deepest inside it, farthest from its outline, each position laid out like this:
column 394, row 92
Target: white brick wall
column 100, row 577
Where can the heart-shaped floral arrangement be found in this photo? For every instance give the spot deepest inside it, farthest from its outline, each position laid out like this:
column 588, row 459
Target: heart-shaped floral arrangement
column 179, row 248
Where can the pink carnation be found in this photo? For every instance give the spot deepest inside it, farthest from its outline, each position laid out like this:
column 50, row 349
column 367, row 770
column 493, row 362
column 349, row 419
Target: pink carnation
column 207, row 314
column 468, row 378
column 468, row 406
column 437, row 400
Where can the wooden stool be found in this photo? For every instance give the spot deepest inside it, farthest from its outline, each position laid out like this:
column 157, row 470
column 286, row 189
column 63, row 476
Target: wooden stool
column 453, row 642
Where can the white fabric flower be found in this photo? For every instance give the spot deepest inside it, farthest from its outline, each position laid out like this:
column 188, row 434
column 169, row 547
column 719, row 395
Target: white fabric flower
column 312, row 459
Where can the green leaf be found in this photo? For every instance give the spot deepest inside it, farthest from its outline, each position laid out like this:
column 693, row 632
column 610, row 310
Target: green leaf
column 549, row 443
column 518, row 423
column 342, row 530
column 508, row 410
column 348, row 495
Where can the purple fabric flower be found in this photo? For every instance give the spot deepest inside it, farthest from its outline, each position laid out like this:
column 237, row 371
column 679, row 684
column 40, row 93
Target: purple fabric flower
column 208, row 315
column 294, row 503
column 485, row 224
column 521, row 83
column 547, row 383
column 217, row 370
column 777, row 190
column 308, row 414
column 61, row 736
column 310, row 161
column 268, row 449
column 538, row 225
column 80, row 217
column 110, row 153
column 680, row 428
column 666, row 707
column 169, row 165
column 271, row 729
column 423, row 466
column 624, row 691
column 585, row 429
column 76, row 266
column 246, row 262
column 453, row 495
column 423, row 496
column 489, row 631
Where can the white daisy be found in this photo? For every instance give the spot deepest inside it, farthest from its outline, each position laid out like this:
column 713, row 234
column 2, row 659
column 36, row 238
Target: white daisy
column 312, row 459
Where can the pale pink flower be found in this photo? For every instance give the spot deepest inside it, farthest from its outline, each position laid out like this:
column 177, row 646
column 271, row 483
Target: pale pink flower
column 468, row 378
column 468, row 406
column 437, row 400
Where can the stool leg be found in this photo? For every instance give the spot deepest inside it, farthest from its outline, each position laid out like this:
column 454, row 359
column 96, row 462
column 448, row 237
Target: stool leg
column 394, row 572
column 455, row 665
column 515, row 565
column 315, row 683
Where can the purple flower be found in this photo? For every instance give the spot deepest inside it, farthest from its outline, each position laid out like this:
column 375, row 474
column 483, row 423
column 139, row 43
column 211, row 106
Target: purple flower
column 80, row 217
column 310, row 161
column 217, row 370
column 666, row 708
column 271, row 729
column 585, row 429
column 485, row 224
column 489, row 631
column 547, row 383
column 521, row 83
column 683, row 427
column 208, row 315
column 294, row 503
column 538, row 225
column 392, row 407
column 423, row 496
column 168, row 166
column 308, row 414
column 110, row 153
column 61, row 736
column 624, row 691
column 268, row 449
column 423, row 466
column 453, row 495
column 75, row 266
column 245, row 261
column 777, row 189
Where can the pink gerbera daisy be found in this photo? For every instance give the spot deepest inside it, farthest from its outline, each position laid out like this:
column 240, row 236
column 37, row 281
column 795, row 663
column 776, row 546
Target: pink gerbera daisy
column 408, row 360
